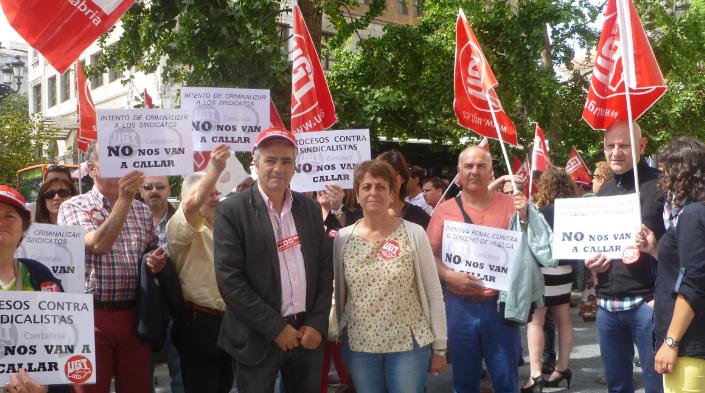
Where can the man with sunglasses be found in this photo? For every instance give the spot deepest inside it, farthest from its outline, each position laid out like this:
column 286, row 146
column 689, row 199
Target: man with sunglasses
column 155, row 193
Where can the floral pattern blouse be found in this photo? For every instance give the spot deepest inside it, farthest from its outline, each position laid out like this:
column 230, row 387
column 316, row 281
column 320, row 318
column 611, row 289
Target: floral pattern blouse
column 383, row 311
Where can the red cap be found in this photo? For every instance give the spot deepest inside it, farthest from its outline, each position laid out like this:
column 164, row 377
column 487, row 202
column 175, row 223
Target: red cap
column 10, row 196
column 274, row 132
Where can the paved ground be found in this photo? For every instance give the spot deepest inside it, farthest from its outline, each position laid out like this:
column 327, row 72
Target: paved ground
column 585, row 364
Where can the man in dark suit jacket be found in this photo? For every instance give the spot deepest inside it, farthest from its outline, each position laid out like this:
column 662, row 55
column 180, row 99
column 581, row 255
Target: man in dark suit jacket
column 273, row 264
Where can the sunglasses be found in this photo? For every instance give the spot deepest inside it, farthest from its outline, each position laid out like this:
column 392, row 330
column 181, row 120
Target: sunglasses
column 63, row 193
column 158, row 186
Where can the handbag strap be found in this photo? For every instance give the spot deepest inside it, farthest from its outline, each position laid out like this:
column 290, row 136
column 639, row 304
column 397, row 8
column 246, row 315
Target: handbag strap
column 459, row 201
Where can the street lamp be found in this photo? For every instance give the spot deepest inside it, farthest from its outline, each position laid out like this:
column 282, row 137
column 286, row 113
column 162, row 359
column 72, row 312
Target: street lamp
column 12, row 72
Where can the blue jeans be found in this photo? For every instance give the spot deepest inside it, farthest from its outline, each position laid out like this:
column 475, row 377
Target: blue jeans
column 393, row 372
column 476, row 332
column 618, row 332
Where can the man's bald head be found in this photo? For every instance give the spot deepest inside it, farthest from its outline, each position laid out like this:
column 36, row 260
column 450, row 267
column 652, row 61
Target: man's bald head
column 475, row 151
column 618, row 151
column 475, row 170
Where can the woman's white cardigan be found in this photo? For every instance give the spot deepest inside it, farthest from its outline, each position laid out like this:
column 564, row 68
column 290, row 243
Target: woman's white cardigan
column 427, row 281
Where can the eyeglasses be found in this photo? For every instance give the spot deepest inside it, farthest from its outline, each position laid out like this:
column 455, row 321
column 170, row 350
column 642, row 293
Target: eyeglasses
column 158, row 186
column 63, row 193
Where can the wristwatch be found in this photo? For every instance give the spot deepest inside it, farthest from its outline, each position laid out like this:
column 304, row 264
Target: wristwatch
column 671, row 342
column 440, row 352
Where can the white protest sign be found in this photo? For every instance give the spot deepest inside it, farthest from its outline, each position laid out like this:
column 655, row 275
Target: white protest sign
column 584, row 227
column 485, row 252
column 154, row 141
column 49, row 334
column 329, row 157
column 61, row 249
column 226, row 115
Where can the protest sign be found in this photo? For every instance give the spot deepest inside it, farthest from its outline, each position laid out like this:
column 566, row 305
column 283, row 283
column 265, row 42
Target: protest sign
column 485, row 252
column 49, row 334
column 226, row 115
column 154, row 141
column 329, row 157
column 61, row 249
column 584, row 227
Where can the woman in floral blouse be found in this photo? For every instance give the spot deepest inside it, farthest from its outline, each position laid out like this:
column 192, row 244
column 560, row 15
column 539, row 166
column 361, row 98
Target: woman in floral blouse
column 389, row 303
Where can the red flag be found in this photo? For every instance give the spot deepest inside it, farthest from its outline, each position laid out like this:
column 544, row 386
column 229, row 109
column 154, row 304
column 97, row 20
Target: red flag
column 539, row 157
column 577, row 169
column 606, row 103
column 312, row 107
column 521, row 173
column 62, row 30
column 86, row 111
column 275, row 121
column 148, row 103
column 474, row 85
column 485, row 144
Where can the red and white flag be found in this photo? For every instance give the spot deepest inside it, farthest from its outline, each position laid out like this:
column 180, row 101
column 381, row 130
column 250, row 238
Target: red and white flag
column 86, row 111
column 522, row 173
column 475, row 97
column 62, row 30
column 623, row 54
column 312, row 107
column 485, row 144
column 148, row 103
column 540, row 160
column 275, row 121
column 577, row 169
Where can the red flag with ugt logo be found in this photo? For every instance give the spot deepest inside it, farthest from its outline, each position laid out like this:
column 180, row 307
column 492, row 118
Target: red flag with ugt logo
column 606, row 102
column 312, row 107
column 577, row 169
column 521, row 172
column 539, row 157
column 86, row 111
column 62, row 30
column 475, row 98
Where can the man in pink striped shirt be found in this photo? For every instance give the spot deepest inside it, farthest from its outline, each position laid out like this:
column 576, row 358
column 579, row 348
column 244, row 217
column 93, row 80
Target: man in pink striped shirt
column 273, row 264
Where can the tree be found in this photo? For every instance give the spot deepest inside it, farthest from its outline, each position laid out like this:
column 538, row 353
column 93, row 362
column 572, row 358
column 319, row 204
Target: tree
column 401, row 84
column 218, row 42
column 23, row 139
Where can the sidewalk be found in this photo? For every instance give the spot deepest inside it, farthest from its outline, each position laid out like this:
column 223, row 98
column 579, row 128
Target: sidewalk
column 584, row 362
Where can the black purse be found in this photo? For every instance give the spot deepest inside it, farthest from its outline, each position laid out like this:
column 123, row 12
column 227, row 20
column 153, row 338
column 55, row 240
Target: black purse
column 501, row 305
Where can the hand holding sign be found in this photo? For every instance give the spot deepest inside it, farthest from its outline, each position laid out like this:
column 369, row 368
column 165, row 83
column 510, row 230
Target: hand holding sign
column 598, row 263
column 461, row 281
column 646, row 241
column 219, row 157
column 130, row 184
column 24, row 384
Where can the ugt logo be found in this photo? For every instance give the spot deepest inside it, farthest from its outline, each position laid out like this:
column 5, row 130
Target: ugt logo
column 473, row 77
column 302, row 81
column 608, row 65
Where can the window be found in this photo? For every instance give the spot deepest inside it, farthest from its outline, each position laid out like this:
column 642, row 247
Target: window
column 328, row 59
column 65, row 86
column 113, row 75
column 51, row 91
column 37, row 98
column 96, row 80
column 417, row 8
column 401, row 7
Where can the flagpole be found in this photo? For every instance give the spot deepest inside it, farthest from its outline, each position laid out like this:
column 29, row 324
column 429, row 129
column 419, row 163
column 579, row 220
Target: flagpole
column 501, row 143
column 531, row 172
column 445, row 193
column 626, row 77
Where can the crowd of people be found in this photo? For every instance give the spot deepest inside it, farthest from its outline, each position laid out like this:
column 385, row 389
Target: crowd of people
column 266, row 284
